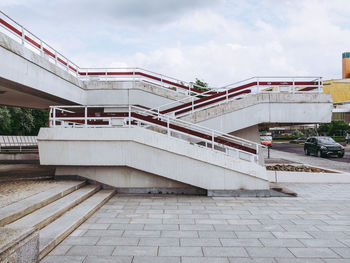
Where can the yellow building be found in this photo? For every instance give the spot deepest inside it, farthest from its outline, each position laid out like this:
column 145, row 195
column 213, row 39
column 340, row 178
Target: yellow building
column 340, row 91
column 338, row 88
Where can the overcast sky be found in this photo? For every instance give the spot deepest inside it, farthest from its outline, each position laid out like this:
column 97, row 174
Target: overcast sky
column 217, row 41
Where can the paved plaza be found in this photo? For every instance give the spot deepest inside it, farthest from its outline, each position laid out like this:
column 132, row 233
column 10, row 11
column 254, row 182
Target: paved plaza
column 314, row 227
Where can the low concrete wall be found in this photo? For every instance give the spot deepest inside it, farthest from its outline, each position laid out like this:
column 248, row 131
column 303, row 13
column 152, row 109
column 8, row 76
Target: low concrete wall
column 119, row 176
column 150, row 152
column 307, row 177
column 19, row 158
column 19, row 245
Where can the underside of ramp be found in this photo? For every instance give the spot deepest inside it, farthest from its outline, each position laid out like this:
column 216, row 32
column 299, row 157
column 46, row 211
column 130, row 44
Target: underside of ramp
column 141, row 158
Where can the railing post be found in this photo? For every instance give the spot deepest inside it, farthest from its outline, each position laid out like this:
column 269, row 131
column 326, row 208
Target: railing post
column 192, row 103
column 129, row 116
column 41, row 48
column 22, row 37
column 319, row 84
column 54, row 118
column 257, row 85
column 168, row 125
column 85, row 116
column 293, row 86
column 189, row 88
column 212, row 139
column 226, row 95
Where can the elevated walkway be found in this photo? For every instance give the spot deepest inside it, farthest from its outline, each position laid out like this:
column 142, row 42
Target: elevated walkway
column 159, row 146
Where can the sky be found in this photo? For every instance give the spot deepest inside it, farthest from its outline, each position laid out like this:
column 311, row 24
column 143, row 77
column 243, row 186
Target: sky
column 217, row 41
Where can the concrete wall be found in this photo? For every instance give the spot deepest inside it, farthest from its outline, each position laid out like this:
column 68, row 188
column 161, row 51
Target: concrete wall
column 265, row 108
column 250, row 133
column 119, row 176
column 150, row 152
column 30, row 80
column 24, row 71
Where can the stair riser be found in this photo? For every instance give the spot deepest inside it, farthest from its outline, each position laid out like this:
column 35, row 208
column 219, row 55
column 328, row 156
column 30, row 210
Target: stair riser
column 13, row 217
column 61, row 212
column 44, row 251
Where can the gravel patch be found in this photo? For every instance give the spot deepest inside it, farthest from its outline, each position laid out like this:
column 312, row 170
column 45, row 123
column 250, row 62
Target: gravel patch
column 11, row 192
column 310, row 160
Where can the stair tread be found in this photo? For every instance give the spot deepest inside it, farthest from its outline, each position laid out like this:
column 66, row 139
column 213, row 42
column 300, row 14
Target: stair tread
column 25, row 206
column 50, row 212
column 54, row 233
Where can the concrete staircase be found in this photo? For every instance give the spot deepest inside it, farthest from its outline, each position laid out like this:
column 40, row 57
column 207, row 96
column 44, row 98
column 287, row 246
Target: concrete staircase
column 56, row 212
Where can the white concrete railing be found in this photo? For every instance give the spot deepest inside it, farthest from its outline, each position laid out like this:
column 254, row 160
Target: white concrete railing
column 32, row 42
column 29, row 40
column 241, row 89
column 132, row 116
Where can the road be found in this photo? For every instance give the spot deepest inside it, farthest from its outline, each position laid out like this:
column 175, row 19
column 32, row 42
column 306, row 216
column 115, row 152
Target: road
column 299, row 150
column 295, row 153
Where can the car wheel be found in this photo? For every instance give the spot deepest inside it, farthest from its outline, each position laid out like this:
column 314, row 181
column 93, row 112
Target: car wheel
column 307, row 152
column 340, row 155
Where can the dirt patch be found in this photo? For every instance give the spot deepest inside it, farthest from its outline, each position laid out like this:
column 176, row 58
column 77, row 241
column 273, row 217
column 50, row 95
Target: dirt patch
column 296, row 168
column 11, row 192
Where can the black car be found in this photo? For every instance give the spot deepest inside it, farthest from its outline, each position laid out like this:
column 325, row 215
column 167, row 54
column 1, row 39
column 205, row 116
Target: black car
column 323, row 146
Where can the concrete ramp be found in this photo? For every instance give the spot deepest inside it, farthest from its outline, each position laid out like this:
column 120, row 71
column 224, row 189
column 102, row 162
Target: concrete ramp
column 151, row 152
column 264, row 108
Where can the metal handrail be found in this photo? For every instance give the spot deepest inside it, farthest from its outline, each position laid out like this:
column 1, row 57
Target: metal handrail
column 260, row 84
column 24, row 36
column 10, row 143
column 136, row 116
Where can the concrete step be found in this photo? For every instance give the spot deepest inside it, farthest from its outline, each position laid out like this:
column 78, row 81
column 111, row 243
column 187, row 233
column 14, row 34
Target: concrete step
column 14, row 211
column 54, row 233
column 45, row 215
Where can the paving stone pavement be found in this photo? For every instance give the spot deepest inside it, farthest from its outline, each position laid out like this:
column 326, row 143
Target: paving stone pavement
column 313, row 228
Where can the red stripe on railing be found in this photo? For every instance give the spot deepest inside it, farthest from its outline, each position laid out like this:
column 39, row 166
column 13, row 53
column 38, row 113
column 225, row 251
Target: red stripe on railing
column 49, row 52
column 307, row 88
column 195, row 133
column 60, row 60
column 150, row 119
column 10, row 27
column 137, row 73
column 32, row 41
column 119, row 73
column 74, row 69
column 187, row 106
column 289, row 83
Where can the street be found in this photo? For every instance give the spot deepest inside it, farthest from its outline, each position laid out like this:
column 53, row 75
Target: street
column 299, row 150
column 295, row 153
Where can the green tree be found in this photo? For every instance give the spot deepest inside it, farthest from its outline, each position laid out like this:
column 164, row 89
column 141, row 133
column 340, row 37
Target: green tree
column 334, row 128
column 201, row 85
column 297, row 133
column 5, row 120
column 22, row 121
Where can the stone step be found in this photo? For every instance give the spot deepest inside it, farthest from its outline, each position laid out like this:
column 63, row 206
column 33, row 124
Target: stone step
column 14, row 211
column 54, row 233
column 45, row 215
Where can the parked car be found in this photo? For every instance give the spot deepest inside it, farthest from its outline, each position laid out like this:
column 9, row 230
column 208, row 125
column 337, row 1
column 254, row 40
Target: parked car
column 266, row 140
column 300, row 140
column 323, row 146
